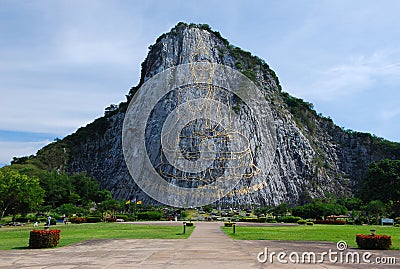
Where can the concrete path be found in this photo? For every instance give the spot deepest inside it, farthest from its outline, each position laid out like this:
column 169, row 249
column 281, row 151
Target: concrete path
column 208, row 247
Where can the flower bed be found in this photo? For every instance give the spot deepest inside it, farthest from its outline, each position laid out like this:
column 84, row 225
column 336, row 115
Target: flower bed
column 44, row 238
column 331, row 221
column 373, row 241
column 78, row 220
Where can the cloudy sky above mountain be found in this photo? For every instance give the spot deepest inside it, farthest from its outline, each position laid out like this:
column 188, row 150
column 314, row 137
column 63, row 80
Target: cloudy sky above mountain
column 63, row 62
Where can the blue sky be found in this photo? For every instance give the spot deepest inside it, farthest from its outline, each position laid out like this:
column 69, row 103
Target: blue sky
column 63, row 62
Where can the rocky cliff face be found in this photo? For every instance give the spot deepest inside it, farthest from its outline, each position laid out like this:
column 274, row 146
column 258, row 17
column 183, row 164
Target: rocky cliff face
column 313, row 157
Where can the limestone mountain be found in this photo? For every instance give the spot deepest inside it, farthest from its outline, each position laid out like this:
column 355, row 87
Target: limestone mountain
column 313, row 157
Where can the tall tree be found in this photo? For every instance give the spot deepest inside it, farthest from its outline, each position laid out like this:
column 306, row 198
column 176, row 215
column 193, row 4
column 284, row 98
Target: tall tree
column 382, row 182
column 86, row 187
column 18, row 193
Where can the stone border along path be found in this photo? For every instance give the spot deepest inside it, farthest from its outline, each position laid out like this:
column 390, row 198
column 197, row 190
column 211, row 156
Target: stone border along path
column 208, row 247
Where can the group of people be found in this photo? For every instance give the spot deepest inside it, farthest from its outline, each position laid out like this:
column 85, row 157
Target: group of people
column 36, row 223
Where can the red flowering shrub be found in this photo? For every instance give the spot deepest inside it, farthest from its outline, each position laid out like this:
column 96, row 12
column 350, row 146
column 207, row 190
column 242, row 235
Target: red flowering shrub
column 111, row 219
column 44, row 238
column 373, row 241
column 78, row 220
column 330, row 221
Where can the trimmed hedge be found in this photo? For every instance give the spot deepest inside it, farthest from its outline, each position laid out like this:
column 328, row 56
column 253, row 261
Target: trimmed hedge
column 373, row 241
column 262, row 219
column 301, row 221
column 122, row 216
column 149, row 215
column 331, row 221
column 249, row 220
column 44, row 238
column 93, row 219
column 288, row 219
column 309, row 223
column 78, row 220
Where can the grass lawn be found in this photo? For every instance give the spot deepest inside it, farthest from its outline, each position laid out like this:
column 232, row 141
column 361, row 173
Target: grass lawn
column 18, row 237
column 318, row 232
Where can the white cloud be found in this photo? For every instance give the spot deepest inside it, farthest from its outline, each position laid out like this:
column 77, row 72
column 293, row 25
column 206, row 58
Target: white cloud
column 57, row 111
column 358, row 75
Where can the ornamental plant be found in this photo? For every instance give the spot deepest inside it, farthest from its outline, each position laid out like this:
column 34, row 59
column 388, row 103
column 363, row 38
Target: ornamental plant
column 78, row 220
column 330, row 221
column 301, row 221
column 373, row 241
column 44, row 238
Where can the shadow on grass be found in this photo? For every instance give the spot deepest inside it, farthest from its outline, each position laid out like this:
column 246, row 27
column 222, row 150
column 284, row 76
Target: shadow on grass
column 26, row 247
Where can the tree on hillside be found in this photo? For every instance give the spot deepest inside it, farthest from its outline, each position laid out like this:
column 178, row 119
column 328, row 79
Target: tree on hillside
column 18, row 193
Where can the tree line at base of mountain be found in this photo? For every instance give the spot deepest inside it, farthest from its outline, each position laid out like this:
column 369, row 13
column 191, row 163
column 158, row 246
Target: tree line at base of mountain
column 26, row 188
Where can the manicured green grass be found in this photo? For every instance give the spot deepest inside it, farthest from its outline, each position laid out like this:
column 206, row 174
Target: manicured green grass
column 18, row 237
column 330, row 233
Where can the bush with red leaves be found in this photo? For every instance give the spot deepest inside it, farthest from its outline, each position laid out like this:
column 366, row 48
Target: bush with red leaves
column 44, row 238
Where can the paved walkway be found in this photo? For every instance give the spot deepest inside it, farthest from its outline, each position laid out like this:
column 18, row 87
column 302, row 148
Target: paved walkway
column 208, row 247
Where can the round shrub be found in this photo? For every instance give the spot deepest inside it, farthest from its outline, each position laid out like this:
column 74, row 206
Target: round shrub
column 310, row 223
